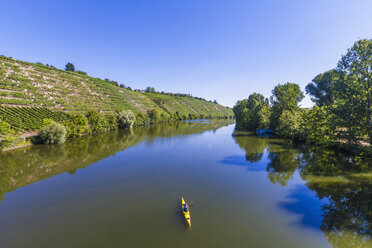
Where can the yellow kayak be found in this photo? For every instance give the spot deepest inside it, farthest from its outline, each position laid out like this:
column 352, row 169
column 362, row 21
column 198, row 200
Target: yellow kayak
column 187, row 212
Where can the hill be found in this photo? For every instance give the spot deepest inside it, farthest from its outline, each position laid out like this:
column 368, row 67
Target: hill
column 30, row 92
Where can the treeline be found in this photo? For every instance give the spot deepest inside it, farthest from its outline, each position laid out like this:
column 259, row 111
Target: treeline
column 341, row 116
column 150, row 89
column 75, row 125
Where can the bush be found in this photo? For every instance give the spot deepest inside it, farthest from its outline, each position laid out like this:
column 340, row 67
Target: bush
column 112, row 122
column 76, row 125
column 6, row 134
column 126, row 119
column 154, row 115
column 54, row 133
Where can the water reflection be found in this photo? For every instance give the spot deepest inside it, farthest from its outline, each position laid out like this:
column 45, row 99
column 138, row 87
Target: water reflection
column 24, row 166
column 342, row 185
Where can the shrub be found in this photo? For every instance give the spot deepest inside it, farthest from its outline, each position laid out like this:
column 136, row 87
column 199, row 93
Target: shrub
column 54, row 133
column 96, row 121
column 126, row 119
column 112, row 122
column 154, row 115
column 142, row 119
column 6, row 134
column 76, row 125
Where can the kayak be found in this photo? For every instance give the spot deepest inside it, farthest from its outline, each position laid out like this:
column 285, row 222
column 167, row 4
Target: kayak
column 187, row 213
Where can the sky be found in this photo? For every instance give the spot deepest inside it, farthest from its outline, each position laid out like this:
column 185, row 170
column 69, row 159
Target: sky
column 220, row 50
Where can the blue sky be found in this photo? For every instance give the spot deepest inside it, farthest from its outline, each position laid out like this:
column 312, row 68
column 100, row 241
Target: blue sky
column 223, row 50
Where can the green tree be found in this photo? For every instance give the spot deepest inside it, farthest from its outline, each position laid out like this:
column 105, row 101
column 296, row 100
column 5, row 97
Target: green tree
column 285, row 97
column 252, row 113
column 69, row 67
column 354, row 89
column 53, row 133
column 289, row 123
column 317, row 126
column 126, row 119
column 320, row 89
column 240, row 112
column 150, row 89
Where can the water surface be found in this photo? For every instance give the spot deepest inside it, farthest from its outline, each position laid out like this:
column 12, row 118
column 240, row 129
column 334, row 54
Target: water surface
column 123, row 189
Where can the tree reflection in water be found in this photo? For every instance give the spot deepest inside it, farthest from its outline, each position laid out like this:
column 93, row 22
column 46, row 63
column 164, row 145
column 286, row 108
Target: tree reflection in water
column 21, row 167
column 343, row 181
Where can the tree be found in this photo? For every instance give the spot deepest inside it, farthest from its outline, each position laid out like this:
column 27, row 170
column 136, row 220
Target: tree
column 289, row 123
column 320, row 89
column 70, row 67
column 285, row 97
column 317, row 126
column 126, row 119
column 252, row 113
column 54, row 133
column 150, row 89
column 355, row 86
column 240, row 113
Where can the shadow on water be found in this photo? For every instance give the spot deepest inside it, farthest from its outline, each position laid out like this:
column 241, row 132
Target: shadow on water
column 340, row 197
column 239, row 160
column 301, row 201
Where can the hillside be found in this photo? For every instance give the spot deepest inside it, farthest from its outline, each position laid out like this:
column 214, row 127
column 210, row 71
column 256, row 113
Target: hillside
column 42, row 89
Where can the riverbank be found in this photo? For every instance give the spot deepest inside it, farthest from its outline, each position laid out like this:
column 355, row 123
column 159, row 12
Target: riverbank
column 81, row 125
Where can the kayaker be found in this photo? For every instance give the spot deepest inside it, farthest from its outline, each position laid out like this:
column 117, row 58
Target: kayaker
column 185, row 208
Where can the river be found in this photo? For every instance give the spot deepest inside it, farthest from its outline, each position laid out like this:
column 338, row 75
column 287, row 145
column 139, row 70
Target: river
column 123, row 189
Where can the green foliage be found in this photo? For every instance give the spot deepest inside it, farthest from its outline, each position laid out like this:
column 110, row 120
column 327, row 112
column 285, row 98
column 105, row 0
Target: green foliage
column 47, row 121
column 54, row 133
column 321, row 87
column 150, row 89
column 6, row 134
column 25, row 118
column 69, row 67
column 112, row 122
column 126, row 119
column 76, row 125
column 317, row 126
column 154, row 116
column 342, row 115
column 285, row 97
column 354, row 90
column 252, row 113
column 97, row 122
column 289, row 123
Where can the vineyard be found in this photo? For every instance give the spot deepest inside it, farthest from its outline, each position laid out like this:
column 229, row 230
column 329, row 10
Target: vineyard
column 29, row 118
column 30, row 92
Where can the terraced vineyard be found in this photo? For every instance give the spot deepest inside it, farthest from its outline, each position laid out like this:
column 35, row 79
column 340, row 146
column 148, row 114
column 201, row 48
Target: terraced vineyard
column 29, row 118
column 38, row 89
